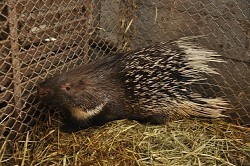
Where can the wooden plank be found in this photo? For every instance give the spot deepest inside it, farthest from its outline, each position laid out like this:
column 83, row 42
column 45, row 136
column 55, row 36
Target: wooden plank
column 4, row 43
column 7, row 95
column 5, row 112
column 6, row 79
column 3, row 25
column 27, row 6
column 4, row 68
column 37, row 69
column 54, row 17
column 5, row 58
column 3, row 13
column 2, row 3
column 5, row 64
column 70, row 64
column 61, row 43
column 28, row 38
column 46, row 63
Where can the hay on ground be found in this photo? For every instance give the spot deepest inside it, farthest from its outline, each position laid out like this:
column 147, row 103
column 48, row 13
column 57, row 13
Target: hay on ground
column 185, row 142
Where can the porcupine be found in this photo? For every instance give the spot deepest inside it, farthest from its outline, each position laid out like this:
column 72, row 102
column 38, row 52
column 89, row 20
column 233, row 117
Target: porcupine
column 150, row 85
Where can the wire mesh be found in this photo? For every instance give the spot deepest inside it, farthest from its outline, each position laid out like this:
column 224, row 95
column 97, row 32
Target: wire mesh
column 41, row 38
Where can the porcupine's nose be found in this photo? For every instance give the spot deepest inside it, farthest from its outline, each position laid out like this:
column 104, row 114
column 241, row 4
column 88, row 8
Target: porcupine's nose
column 42, row 91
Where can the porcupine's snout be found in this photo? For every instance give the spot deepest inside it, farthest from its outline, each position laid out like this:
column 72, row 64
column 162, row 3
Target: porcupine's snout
column 43, row 92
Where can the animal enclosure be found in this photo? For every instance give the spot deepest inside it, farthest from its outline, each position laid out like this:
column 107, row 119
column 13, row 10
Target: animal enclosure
column 39, row 38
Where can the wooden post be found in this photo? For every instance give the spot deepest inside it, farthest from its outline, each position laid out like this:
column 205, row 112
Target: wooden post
column 88, row 15
column 13, row 37
column 97, row 19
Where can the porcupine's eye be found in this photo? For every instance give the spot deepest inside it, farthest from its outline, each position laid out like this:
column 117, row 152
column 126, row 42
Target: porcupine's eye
column 66, row 87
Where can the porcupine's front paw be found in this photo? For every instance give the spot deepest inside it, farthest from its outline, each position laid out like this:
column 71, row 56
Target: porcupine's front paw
column 71, row 125
column 69, row 128
column 155, row 119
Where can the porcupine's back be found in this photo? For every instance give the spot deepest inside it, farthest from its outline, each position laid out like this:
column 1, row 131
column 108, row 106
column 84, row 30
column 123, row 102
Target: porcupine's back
column 160, row 80
column 151, row 84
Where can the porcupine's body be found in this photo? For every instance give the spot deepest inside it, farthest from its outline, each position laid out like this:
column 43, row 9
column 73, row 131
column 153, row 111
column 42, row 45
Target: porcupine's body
column 150, row 84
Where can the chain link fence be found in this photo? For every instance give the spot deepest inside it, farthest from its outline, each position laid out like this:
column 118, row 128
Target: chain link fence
column 41, row 38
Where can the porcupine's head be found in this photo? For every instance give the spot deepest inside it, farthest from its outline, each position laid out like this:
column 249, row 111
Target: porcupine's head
column 87, row 95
